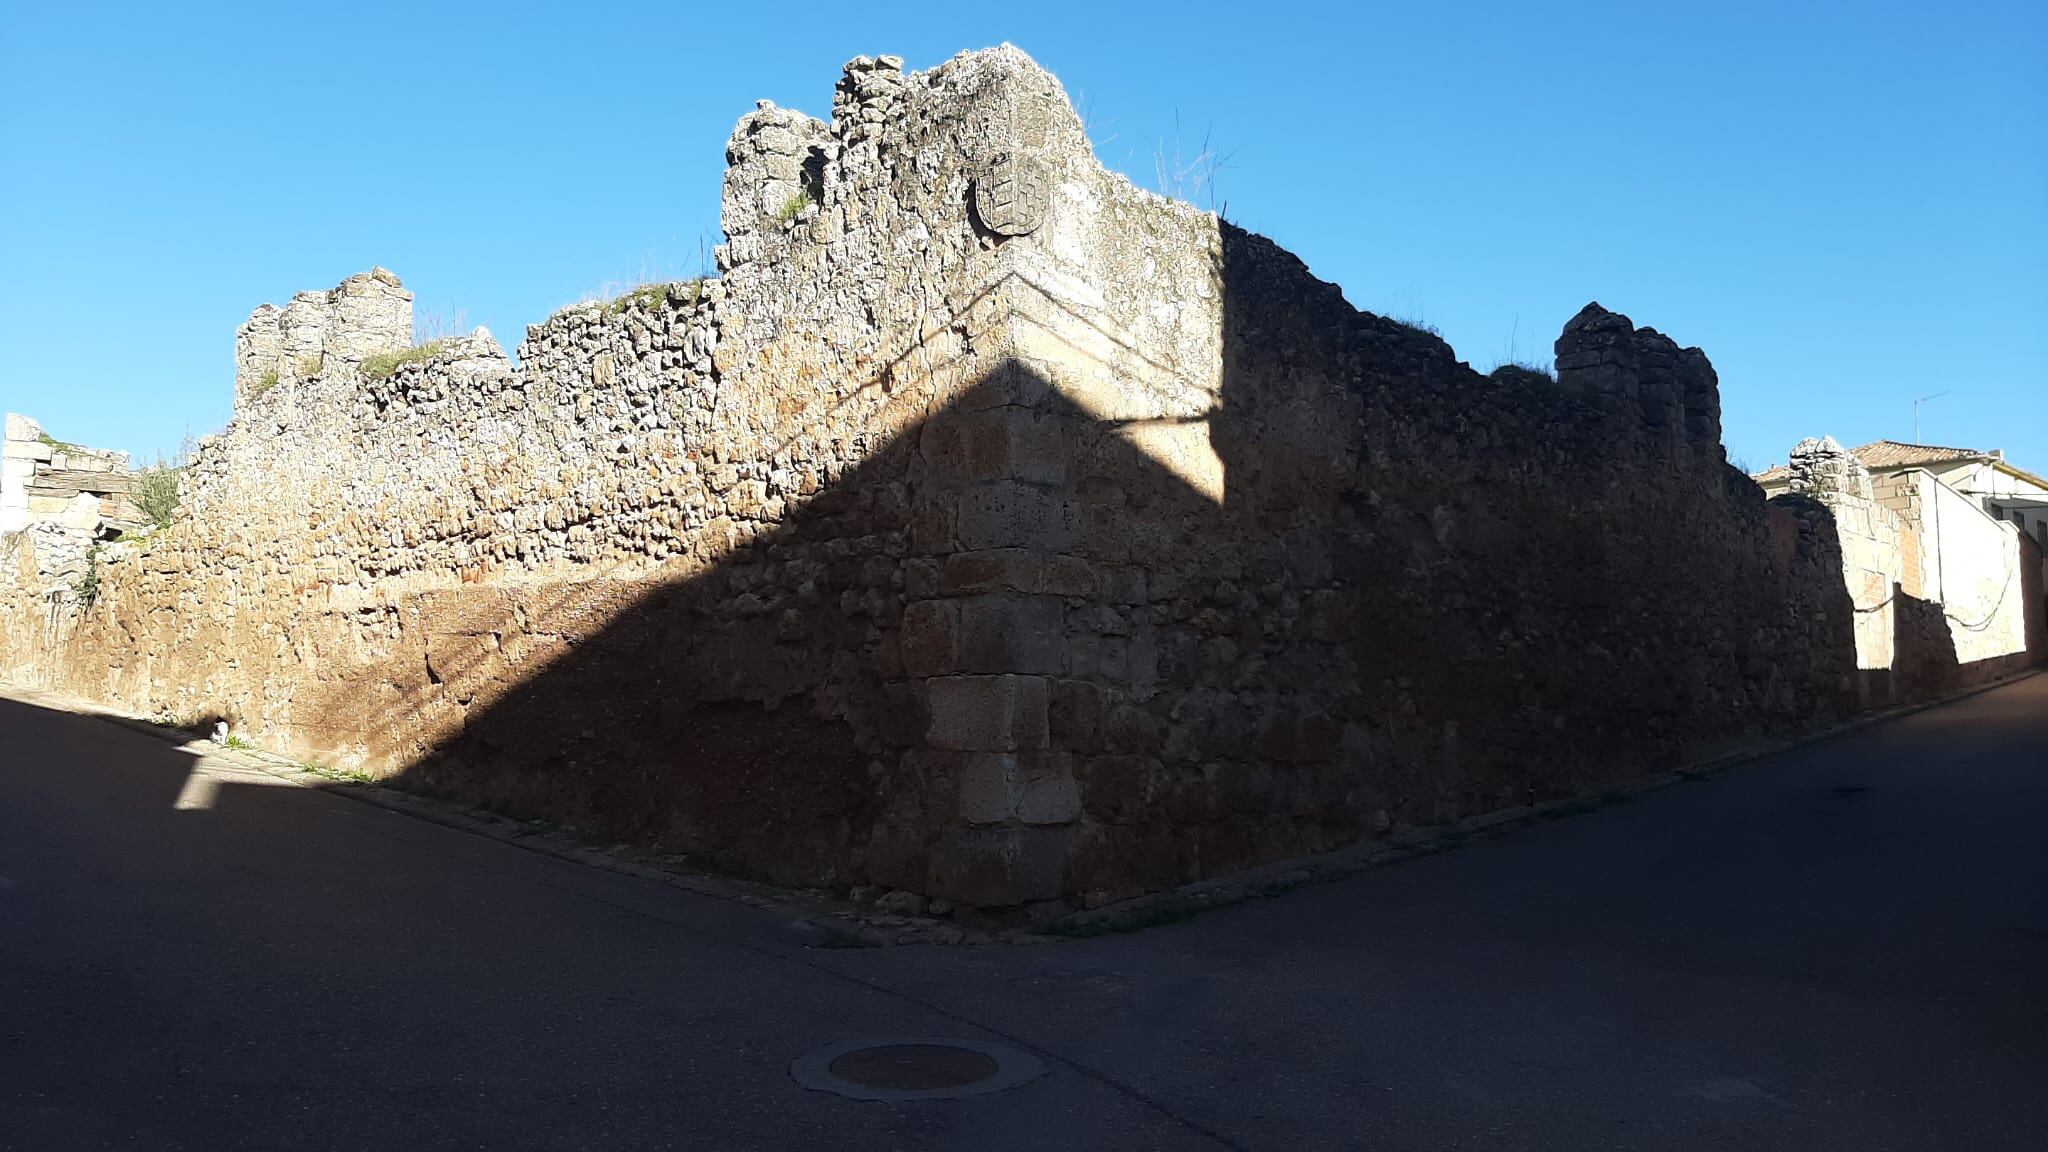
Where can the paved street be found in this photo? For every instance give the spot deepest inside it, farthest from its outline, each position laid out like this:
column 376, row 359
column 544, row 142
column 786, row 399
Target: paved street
column 1841, row 947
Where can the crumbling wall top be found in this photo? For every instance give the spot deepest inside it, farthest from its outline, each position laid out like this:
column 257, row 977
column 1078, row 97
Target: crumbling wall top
column 368, row 313
column 1825, row 470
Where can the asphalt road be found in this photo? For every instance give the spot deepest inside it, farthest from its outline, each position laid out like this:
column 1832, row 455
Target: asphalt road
column 1841, row 947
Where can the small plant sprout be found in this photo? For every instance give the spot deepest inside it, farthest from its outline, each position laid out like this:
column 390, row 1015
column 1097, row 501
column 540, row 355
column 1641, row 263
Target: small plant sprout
column 793, row 207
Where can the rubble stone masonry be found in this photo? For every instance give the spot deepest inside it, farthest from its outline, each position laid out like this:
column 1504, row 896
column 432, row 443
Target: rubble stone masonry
column 988, row 528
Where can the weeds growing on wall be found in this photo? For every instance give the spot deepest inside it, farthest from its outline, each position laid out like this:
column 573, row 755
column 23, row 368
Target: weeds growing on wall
column 1522, row 373
column 157, row 487
column 310, row 365
column 793, row 207
column 655, row 280
column 86, row 589
column 268, row 382
column 431, row 325
column 648, row 295
column 654, row 296
column 384, row 364
column 156, row 493
column 1190, row 177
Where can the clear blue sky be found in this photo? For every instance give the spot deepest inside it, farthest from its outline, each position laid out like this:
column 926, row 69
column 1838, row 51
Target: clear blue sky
column 1846, row 205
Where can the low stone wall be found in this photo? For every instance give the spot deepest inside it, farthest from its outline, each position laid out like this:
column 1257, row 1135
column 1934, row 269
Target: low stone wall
column 989, row 529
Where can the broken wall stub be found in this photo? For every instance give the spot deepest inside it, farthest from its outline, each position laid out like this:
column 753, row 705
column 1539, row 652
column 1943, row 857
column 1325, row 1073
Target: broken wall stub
column 989, row 528
column 1875, row 544
column 368, row 313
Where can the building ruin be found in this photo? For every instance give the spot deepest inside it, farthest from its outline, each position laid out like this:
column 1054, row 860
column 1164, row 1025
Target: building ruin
column 988, row 528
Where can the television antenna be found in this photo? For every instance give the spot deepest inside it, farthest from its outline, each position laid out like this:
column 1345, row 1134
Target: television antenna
column 1916, row 413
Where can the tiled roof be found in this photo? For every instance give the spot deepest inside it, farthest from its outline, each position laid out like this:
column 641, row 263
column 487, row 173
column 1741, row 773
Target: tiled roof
column 1894, row 454
column 1879, row 455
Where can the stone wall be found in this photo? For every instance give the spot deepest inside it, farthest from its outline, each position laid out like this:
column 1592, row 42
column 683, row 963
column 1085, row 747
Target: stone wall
column 989, row 528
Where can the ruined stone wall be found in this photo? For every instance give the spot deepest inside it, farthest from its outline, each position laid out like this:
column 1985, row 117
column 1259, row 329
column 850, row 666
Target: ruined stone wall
column 989, row 528
column 41, row 480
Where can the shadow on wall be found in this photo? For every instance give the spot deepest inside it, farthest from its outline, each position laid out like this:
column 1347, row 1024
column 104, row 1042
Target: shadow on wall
column 1013, row 657
column 1925, row 661
column 774, row 716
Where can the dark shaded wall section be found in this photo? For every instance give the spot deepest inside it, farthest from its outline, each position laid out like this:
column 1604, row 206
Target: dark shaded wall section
column 1430, row 593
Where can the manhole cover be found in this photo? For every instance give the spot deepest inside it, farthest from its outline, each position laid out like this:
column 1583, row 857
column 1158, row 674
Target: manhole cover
column 914, row 1069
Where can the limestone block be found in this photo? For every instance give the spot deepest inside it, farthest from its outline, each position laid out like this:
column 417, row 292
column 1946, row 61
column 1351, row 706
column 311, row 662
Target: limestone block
column 1072, row 576
column 32, row 450
column 1050, row 797
column 994, row 570
column 1182, row 448
column 1032, row 787
column 1075, row 713
column 81, row 513
column 1000, row 444
column 1010, row 633
column 987, row 713
column 990, row 783
column 1010, row 514
column 1010, row 384
column 998, row 867
column 1105, row 658
column 930, row 637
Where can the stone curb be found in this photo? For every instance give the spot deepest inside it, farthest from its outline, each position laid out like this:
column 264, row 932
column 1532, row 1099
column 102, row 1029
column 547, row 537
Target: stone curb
column 833, row 923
